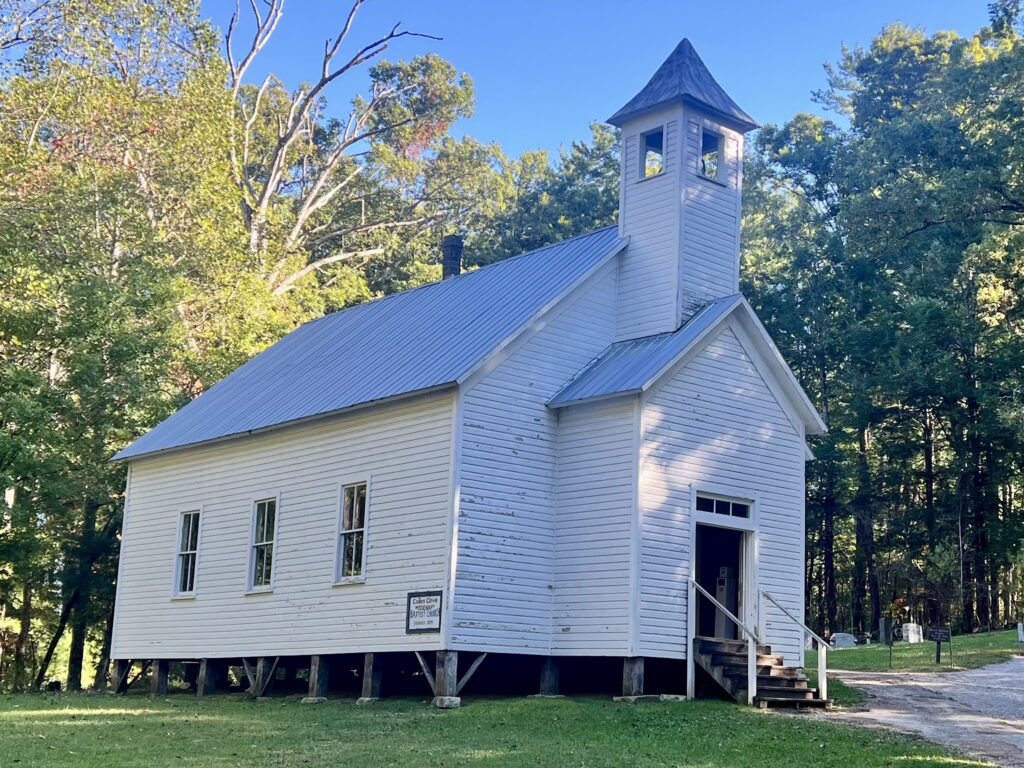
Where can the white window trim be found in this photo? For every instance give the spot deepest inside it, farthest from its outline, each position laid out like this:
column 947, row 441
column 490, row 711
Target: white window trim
column 641, row 142
column 727, row 494
column 177, row 594
column 719, row 180
column 339, row 580
column 250, row 587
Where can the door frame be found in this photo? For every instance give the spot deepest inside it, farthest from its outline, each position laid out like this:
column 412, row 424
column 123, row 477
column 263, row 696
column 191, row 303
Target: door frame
column 749, row 595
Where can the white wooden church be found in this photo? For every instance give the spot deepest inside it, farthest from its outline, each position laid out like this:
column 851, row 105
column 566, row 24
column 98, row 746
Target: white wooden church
column 586, row 458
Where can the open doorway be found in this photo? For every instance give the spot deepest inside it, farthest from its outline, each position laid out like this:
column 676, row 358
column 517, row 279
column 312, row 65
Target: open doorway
column 719, row 570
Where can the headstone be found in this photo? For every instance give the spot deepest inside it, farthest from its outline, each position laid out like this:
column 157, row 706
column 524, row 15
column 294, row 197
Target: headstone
column 1020, row 632
column 843, row 640
column 912, row 633
column 885, row 631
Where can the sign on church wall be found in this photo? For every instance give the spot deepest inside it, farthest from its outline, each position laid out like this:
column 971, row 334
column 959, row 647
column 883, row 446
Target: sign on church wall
column 423, row 612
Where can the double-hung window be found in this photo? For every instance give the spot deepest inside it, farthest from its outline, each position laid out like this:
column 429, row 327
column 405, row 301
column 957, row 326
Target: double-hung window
column 262, row 556
column 188, row 553
column 352, row 534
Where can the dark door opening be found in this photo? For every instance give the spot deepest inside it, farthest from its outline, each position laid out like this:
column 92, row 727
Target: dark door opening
column 719, row 555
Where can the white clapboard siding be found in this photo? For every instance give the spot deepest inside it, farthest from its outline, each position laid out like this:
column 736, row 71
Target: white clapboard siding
column 714, row 423
column 593, row 533
column 710, row 220
column 403, row 449
column 648, row 281
column 505, row 563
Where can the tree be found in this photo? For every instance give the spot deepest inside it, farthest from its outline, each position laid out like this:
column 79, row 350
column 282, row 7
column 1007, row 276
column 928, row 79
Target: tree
column 130, row 282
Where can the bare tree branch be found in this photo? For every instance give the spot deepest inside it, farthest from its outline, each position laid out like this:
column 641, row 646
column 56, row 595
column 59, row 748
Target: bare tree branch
column 261, row 181
column 289, row 282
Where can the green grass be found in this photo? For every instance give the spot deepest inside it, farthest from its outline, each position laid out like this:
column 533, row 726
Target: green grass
column 104, row 731
column 969, row 651
column 841, row 694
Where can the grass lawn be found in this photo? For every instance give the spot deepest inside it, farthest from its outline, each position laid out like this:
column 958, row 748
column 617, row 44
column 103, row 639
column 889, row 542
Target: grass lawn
column 969, row 651
column 226, row 730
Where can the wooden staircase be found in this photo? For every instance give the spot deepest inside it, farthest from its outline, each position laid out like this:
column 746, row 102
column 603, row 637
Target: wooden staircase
column 777, row 685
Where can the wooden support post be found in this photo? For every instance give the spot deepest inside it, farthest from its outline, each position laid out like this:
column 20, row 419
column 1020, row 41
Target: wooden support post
column 250, row 674
column 266, row 668
column 206, row 681
column 469, row 672
column 158, row 677
column 426, row 670
column 549, row 677
column 633, row 676
column 446, row 680
column 373, row 676
column 319, row 671
column 121, row 669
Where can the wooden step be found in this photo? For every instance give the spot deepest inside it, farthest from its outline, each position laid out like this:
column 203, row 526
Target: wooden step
column 718, row 645
column 776, row 692
column 783, row 692
column 724, row 658
column 765, row 702
column 782, row 673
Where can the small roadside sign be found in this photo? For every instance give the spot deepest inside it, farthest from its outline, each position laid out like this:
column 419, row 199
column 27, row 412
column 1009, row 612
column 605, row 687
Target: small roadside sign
column 941, row 635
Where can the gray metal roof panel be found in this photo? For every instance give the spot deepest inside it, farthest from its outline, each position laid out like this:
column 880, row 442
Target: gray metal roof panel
column 632, row 366
column 684, row 76
column 413, row 341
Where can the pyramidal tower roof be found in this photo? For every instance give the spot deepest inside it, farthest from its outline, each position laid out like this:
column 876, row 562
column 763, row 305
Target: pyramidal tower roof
column 683, row 76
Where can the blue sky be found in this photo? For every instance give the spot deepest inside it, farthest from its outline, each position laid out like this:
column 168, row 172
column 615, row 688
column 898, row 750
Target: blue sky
column 544, row 70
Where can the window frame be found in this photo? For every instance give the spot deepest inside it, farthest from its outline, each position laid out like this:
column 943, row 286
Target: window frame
column 176, row 593
column 250, row 577
column 715, row 131
column 734, row 495
column 340, row 534
column 642, row 151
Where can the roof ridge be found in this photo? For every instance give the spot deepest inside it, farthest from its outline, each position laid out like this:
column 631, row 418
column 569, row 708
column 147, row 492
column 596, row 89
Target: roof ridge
column 436, row 283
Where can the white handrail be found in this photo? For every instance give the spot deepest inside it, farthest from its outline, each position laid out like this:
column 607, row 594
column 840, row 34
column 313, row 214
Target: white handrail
column 751, row 642
column 725, row 610
column 823, row 647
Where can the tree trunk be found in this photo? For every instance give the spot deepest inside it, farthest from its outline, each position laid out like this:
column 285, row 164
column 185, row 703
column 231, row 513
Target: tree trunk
column 993, row 591
column 21, row 643
column 810, row 566
column 80, row 614
column 3, row 641
column 967, row 594
column 102, row 676
column 62, row 624
column 862, row 534
column 978, row 502
column 928, row 440
column 829, row 555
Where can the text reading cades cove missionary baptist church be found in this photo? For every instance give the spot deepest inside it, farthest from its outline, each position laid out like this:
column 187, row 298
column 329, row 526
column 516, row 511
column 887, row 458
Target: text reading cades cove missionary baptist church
column 578, row 469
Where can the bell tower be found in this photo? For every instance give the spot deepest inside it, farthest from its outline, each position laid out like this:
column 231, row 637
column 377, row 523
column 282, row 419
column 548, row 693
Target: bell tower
column 679, row 196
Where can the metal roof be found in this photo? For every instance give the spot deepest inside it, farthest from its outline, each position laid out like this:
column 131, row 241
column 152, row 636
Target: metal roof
column 418, row 340
column 630, row 367
column 684, row 76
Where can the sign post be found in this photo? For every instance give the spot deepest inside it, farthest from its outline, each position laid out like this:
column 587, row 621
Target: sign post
column 941, row 635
